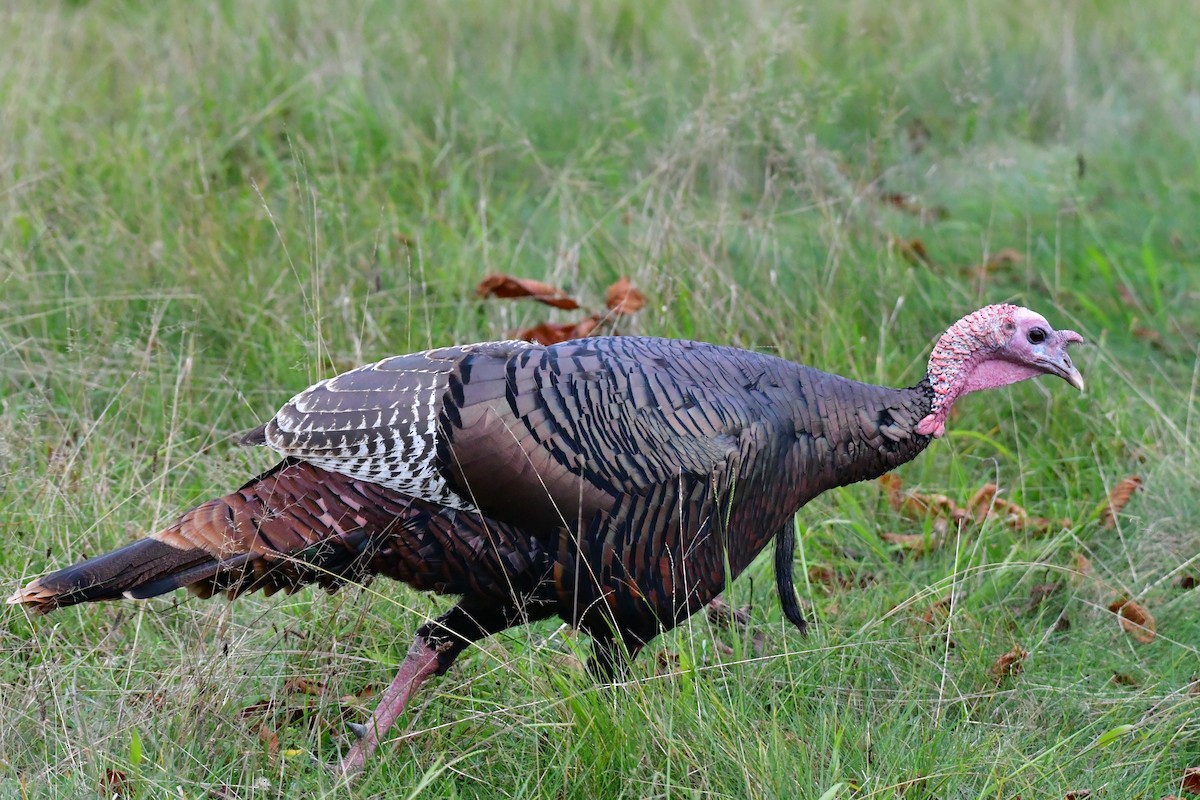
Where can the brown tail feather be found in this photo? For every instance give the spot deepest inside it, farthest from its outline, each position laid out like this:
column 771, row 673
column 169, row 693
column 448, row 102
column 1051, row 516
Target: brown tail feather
column 298, row 524
column 142, row 569
column 271, row 534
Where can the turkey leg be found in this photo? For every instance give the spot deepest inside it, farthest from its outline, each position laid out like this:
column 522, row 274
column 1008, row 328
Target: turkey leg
column 437, row 644
column 419, row 664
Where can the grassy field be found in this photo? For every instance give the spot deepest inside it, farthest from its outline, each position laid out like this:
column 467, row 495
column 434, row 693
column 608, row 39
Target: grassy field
column 204, row 207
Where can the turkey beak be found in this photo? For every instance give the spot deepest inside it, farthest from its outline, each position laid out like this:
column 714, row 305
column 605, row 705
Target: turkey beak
column 1062, row 366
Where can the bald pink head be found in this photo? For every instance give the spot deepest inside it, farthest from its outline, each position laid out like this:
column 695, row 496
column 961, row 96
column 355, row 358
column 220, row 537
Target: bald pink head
column 995, row 346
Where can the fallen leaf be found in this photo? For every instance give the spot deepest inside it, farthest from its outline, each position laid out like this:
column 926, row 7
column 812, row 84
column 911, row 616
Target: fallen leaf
column 1039, row 593
column 1186, row 581
column 892, row 483
column 304, row 686
column 828, row 577
column 506, row 286
column 549, row 332
column 1077, row 794
column 1191, row 780
column 254, row 709
column 723, row 615
column 1041, row 526
column 1193, row 687
column 1153, row 337
column 1135, row 620
column 1117, row 500
column 270, row 738
column 1083, row 568
column 622, row 298
column 114, row 784
column 916, row 543
column 585, row 326
column 913, row 251
column 996, row 261
column 937, row 612
column 1004, row 258
column 980, row 503
column 1121, row 679
column 1011, row 663
column 909, row 204
column 665, row 662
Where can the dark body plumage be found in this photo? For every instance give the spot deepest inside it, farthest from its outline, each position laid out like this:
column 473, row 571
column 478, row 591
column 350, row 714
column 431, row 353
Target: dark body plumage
column 615, row 482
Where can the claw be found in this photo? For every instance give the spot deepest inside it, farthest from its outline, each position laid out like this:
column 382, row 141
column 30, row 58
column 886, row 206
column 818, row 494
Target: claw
column 358, row 730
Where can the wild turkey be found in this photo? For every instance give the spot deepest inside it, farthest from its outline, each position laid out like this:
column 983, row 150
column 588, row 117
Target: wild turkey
column 614, row 482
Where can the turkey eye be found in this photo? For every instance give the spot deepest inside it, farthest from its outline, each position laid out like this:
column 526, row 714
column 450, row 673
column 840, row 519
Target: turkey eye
column 1037, row 336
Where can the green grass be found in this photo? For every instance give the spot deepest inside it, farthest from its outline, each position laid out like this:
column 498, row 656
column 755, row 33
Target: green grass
column 204, row 207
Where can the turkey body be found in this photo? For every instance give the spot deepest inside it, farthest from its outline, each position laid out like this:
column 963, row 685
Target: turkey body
column 615, row 482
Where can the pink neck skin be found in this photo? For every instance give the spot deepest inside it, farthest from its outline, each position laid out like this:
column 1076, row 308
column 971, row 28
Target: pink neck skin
column 964, row 361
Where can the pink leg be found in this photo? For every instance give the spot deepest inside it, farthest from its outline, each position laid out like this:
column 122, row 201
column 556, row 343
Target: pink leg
column 419, row 664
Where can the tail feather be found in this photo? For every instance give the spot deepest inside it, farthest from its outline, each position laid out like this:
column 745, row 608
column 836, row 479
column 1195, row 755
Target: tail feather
column 128, row 572
column 298, row 524
column 269, row 535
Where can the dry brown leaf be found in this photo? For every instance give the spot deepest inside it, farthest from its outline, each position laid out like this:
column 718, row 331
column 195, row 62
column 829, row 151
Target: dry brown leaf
column 996, row 261
column 555, row 332
column 549, row 332
column 1011, row 663
column 270, row 738
column 911, row 205
column 892, row 483
column 1004, row 258
column 1039, row 593
column 828, row 577
column 723, row 615
column 115, row 784
column 919, row 506
column 916, row 543
column 622, row 298
column 1117, row 499
column 1041, row 526
column 913, row 251
column 507, row 286
column 585, row 326
column 1149, row 335
column 665, row 662
column 1083, row 568
column 304, row 686
column 901, row 201
column 937, row 612
column 1077, row 794
column 1135, row 620
column 1193, row 687
column 1191, row 780
column 916, row 505
column 1121, row 679
column 980, row 504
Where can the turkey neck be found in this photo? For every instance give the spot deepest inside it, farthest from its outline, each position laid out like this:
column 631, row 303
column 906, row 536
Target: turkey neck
column 841, row 432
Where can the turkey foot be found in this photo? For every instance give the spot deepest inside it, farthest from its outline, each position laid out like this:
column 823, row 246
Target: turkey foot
column 419, row 664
